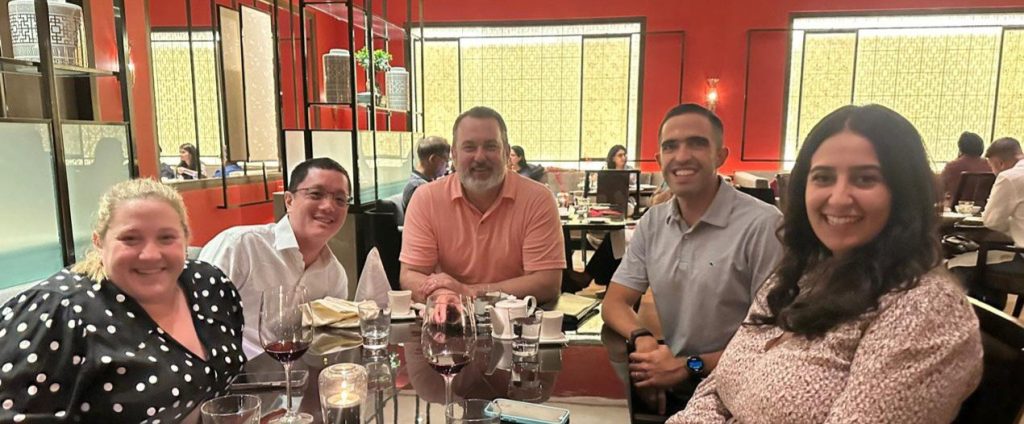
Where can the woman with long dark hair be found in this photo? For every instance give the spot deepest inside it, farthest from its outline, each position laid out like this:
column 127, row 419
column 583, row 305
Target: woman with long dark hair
column 859, row 323
column 616, row 158
column 189, row 168
column 517, row 163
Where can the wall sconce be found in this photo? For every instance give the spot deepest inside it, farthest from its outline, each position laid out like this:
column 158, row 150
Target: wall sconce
column 711, row 94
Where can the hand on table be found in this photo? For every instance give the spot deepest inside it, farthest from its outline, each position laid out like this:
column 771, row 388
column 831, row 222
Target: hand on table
column 657, row 368
column 442, row 281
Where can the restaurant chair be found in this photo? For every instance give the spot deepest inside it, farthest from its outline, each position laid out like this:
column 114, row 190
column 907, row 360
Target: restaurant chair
column 974, row 187
column 399, row 201
column 998, row 398
column 1001, row 281
column 615, row 187
column 386, row 237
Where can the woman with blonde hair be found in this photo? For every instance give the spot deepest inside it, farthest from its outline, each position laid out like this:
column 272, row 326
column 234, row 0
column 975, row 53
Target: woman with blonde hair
column 132, row 332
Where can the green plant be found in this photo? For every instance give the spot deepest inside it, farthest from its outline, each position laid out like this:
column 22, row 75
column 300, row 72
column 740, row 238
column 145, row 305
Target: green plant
column 381, row 59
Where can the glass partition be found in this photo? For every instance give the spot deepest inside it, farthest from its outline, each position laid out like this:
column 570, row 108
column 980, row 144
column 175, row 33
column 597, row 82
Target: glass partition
column 97, row 158
column 394, row 162
column 29, row 242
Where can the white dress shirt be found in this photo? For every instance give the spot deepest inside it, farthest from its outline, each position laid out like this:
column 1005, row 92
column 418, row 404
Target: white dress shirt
column 259, row 257
column 1004, row 211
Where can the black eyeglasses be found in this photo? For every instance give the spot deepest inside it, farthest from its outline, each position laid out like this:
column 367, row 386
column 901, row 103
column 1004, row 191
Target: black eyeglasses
column 341, row 199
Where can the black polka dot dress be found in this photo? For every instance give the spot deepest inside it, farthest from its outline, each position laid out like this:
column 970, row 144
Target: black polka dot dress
column 74, row 350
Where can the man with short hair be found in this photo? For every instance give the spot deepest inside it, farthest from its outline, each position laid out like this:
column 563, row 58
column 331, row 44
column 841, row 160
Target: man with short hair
column 483, row 229
column 1004, row 211
column 971, row 147
column 704, row 254
column 292, row 252
column 433, row 153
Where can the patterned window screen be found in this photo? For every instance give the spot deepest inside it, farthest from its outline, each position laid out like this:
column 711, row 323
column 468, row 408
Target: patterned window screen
column 946, row 73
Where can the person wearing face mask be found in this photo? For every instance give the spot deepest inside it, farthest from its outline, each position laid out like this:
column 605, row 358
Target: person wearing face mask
column 123, row 335
column 860, row 323
column 434, row 153
column 703, row 254
column 486, row 229
column 292, row 252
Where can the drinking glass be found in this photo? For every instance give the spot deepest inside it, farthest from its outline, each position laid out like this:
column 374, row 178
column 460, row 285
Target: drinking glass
column 231, row 409
column 449, row 336
column 375, row 324
column 473, row 411
column 285, row 338
column 527, row 334
column 342, row 392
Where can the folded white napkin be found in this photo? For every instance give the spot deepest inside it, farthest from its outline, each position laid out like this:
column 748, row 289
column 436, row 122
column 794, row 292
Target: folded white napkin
column 331, row 312
column 373, row 283
column 970, row 259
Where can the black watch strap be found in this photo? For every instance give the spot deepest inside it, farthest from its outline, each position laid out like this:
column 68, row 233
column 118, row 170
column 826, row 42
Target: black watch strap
column 640, row 332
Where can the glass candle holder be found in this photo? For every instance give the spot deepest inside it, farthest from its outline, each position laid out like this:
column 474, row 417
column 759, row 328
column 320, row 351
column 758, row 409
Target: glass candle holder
column 342, row 392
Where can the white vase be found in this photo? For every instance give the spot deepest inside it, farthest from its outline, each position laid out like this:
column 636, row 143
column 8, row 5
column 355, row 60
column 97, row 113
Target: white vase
column 65, row 31
column 397, row 82
column 337, row 76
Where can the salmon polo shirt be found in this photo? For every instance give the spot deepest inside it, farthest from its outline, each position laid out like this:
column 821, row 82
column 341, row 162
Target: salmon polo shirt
column 521, row 232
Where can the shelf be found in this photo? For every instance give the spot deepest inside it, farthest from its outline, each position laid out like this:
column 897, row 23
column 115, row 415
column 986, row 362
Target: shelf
column 25, row 67
column 339, row 10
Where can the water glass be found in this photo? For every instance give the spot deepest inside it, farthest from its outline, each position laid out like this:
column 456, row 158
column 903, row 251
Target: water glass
column 527, row 334
column 231, row 409
column 342, row 392
column 375, row 325
column 473, row 411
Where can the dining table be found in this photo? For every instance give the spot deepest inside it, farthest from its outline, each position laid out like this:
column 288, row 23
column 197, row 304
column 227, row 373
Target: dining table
column 402, row 388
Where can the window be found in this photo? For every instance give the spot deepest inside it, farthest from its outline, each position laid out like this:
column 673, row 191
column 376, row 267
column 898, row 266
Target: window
column 567, row 92
column 945, row 73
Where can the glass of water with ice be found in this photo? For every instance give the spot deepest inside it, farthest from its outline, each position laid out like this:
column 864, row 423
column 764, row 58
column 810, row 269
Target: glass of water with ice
column 527, row 334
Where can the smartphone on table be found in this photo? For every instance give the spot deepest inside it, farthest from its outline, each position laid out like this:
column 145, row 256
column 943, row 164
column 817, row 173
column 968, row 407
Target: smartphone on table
column 267, row 380
column 514, row 411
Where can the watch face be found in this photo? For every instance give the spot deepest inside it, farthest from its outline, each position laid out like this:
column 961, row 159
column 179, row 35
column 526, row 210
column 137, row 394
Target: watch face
column 694, row 363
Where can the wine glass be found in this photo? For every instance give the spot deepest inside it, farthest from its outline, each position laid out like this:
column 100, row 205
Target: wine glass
column 449, row 336
column 285, row 338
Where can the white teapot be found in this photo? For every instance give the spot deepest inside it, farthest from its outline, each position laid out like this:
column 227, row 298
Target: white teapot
column 503, row 312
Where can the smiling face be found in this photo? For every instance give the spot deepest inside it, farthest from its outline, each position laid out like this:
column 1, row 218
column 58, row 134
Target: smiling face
column 143, row 249
column 848, row 201
column 690, row 155
column 479, row 154
column 318, row 207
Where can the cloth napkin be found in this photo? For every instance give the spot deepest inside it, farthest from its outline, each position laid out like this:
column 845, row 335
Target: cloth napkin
column 331, row 312
column 373, row 283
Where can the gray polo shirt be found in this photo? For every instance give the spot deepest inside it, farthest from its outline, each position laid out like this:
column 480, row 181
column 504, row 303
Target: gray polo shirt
column 703, row 277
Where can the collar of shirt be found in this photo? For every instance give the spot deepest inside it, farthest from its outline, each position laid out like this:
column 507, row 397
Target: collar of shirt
column 717, row 214
column 284, row 239
column 421, row 176
column 508, row 186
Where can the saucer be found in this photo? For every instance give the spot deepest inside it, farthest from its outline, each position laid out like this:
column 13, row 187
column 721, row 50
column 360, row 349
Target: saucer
column 561, row 339
column 411, row 314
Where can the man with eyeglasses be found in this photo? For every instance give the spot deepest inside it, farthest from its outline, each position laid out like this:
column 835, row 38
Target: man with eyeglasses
column 292, row 251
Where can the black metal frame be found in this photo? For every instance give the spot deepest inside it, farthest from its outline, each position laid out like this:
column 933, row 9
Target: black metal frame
column 52, row 115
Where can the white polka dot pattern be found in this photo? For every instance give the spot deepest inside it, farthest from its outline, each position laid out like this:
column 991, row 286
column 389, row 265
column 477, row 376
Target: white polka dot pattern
column 76, row 369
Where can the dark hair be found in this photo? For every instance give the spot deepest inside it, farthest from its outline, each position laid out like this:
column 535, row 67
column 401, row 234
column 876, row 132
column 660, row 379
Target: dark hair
column 1005, row 148
column 906, row 248
column 971, row 144
column 609, row 161
column 685, row 108
column 523, row 164
column 481, row 112
column 432, row 145
column 193, row 155
column 302, row 170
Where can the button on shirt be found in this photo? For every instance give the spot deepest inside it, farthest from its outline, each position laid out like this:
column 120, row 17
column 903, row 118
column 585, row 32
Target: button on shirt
column 261, row 257
column 703, row 277
column 519, row 233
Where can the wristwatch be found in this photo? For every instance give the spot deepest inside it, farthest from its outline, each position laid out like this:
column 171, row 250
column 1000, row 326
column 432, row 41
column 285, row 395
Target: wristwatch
column 696, row 367
column 639, row 332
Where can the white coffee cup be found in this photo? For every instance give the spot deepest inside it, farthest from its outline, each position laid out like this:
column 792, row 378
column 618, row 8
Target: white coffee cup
column 400, row 301
column 551, row 325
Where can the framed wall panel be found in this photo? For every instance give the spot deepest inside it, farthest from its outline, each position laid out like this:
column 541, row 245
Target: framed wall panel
column 261, row 114
column 234, row 90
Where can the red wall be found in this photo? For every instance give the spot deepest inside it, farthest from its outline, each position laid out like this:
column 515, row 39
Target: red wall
column 715, row 46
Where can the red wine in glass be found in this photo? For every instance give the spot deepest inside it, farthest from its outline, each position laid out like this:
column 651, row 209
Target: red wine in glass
column 286, row 350
column 449, row 363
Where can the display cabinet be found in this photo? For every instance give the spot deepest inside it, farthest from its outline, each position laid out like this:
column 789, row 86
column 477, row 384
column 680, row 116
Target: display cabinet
column 65, row 114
